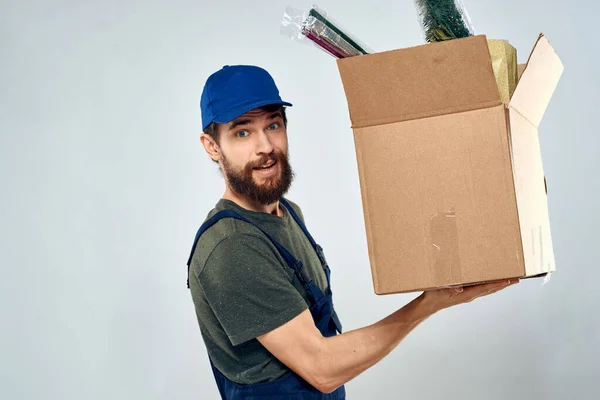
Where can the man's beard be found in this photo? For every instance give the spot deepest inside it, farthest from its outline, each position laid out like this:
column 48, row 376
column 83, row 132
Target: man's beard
column 273, row 188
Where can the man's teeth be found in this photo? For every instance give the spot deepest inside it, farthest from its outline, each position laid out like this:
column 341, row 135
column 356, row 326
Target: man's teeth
column 268, row 165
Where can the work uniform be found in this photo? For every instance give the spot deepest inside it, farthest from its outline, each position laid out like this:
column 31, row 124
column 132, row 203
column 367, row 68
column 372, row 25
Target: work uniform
column 254, row 274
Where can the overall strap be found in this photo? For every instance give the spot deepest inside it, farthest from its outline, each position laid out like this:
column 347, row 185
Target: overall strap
column 319, row 251
column 314, row 244
column 296, row 265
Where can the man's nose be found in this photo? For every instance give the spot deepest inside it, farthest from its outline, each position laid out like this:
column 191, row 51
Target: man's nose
column 264, row 144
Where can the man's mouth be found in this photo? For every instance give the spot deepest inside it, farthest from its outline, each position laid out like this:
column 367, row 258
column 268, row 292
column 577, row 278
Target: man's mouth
column 267, row 166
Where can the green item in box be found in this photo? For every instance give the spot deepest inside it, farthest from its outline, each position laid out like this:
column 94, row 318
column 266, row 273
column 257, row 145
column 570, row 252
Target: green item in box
column 443, row 20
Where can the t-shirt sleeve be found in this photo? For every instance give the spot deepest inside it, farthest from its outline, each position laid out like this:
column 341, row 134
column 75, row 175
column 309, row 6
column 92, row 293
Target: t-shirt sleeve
column 248, row 288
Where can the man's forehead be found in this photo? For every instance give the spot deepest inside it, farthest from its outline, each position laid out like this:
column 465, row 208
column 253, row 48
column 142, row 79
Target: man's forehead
column 253, row 115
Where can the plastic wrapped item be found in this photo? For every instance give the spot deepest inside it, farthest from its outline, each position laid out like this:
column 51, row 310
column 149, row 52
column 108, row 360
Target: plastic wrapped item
column 322, row 31
column 443, row 20
column 504, row 64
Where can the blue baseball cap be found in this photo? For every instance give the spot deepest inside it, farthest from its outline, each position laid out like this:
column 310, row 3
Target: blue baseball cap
column 234, row 90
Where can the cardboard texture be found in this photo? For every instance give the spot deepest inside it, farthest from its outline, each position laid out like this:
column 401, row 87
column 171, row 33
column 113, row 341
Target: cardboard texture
column 451, row 178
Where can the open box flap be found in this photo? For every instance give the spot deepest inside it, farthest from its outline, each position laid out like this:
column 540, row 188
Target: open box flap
column 418, row 82
column 537, row 82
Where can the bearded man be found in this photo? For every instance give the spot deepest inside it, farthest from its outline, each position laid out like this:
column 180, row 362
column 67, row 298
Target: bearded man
column 259, row 282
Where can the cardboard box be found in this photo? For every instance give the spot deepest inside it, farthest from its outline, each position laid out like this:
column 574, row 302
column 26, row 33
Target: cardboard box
column 451, row 179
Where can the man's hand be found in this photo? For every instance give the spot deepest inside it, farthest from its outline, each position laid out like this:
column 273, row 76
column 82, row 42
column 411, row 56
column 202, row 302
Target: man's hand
column 440, row 299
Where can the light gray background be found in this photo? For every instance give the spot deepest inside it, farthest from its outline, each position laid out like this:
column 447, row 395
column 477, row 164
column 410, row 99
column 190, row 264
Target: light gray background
column 104, row 183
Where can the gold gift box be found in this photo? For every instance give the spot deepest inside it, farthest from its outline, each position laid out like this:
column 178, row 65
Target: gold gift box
column 504, row 64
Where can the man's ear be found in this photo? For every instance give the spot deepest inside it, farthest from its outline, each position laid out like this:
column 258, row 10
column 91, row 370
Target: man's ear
column 211, row 147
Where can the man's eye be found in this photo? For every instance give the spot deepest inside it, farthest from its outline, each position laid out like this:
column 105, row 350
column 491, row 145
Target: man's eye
column 242, row 134
column 274, row 126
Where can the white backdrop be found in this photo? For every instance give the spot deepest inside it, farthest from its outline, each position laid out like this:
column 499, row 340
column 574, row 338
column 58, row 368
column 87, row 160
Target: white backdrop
column 104, row 183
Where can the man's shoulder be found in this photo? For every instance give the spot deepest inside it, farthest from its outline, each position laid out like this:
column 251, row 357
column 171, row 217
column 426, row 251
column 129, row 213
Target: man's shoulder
column 227, row 233
column 231, row 232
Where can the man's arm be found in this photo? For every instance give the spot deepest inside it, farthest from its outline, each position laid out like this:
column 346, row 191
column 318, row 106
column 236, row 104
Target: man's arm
column 328, row 363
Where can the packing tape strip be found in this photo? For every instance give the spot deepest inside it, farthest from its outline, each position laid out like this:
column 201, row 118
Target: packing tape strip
column 444, row 247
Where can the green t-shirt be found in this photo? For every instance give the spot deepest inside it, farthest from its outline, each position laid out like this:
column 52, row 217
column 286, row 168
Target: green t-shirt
column 242, row 288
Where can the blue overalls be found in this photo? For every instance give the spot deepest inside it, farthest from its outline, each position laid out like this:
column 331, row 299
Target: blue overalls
column 291, row 386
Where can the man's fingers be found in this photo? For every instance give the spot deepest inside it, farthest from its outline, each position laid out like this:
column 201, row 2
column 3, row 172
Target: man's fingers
column 457, row 290
column 489, row 288
column 466, row 294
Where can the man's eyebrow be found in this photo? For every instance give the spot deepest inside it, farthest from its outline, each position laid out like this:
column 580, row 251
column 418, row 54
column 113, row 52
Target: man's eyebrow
column 239, row 122
column 247, row 121
column 275, row 115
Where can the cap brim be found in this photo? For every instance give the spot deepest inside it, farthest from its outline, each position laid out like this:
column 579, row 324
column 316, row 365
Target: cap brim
column 241, row 110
